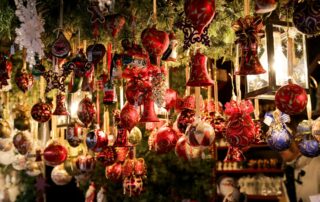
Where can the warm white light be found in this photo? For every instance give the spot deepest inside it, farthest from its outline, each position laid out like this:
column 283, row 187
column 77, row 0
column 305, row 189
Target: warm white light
column 74, row 108
column 280, row 65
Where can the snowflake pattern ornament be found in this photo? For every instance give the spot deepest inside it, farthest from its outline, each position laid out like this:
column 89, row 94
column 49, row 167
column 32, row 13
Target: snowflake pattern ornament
column 29, row 32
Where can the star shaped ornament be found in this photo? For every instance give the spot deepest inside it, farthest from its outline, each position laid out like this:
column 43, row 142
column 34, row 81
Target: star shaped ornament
column 41, row 184
column 56, row 80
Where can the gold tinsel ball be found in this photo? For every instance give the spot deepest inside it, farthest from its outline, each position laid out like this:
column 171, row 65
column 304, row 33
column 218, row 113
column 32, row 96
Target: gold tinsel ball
column 135, row 136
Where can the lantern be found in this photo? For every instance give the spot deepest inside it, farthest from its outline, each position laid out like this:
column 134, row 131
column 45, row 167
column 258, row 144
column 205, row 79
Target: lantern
column 274, row 58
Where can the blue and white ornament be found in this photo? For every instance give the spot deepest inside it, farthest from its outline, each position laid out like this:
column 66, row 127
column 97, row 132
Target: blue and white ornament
column 309, row 146
column 279, row 139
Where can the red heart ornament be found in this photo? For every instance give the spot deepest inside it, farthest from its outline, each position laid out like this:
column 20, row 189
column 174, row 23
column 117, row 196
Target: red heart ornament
column 200, row 13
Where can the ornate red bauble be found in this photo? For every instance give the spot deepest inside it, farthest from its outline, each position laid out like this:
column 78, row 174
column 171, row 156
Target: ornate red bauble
column 133, row 167
column 22, row 142
column 85, row 163
column 108, row 156
column 165, row 140
column 122, row 153
column 132, row 186
column 200, row 133
column 114, row 24
column 265, row 6
column 291, row 99
column 61, row 46
column 134, row 95
column 41, row 112
column 185, row 151
column 55, row 154
column 86, row 111
column 114, row 172
column 24, row 80
column 200, row 13
column 129, row 116
column 155, row 42
column 96, row 140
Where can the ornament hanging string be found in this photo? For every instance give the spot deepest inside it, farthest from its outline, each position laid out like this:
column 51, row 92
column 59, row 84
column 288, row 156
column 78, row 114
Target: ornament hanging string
column 61, row 15
column 155, row 11
column 215, row 87
column 24, row 57
column 106, row 126
column 256, row 109
column 187, row 75
column 309, row 108
column 98, row 103
column 209, row 87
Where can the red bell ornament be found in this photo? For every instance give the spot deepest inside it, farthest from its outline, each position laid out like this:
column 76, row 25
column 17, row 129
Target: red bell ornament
column 85, row 163
column 200, row 13
column 165, row 140
column 265, row 6
column 114, row 172
column 86, row 111
column 55, row 154
column 96, row 140
column 41, row 112
column 155, row 42
column 129, row 116
column 199, row 75
column 132, row 186
column 291, row 99
column 149, row 114
column 61, row 108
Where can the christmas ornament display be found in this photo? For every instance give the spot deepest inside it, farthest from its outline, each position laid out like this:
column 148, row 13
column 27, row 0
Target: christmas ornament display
column 248, row 31
column 22, row 142
column 86, row 111
column 74, row 134
column 185, row 151
column 170, row 99
column 96, row 140
column 29, row 32
column 132, row 186
column 5, row 129
column 165, row 140
column 134, row 167
column 114, row 24
column 265, row 6
column 149, row 114
column 85, row 163
column 122, row 137
column 61, row 46
column 41, row 112
column 108, row 156
column 306, row 17
column 155, row 42
column 135, row 136
column 129, row 116
column 60, row 176
column 56, row 80
column 114, row 172
column 199, row 75
column 240, row 130
column 55, row 154
column 200, row 133
column 291, row 99
column 96, row 52
column 309, row 146
column 61, row 108
column 24, row 80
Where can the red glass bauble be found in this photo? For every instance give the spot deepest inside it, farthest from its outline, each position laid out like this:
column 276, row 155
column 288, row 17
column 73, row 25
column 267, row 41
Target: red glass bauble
column 41, row 112
column 96, row 140
column 200, row 13
column 165, row 140
column 61, row 46
column 55, row 154
column 134, row 94
column 108, row 156
column 129, row 116
column 85, row 163
column 291, row 99
column 86, row 111
column 132, row 186
column 114, row 172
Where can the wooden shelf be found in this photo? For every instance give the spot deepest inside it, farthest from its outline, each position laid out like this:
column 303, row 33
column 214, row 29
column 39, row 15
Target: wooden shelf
column 250, row 171
column 262, row 197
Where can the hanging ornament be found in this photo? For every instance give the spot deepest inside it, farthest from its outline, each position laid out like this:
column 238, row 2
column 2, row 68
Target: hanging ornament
column 5, row 72
column 291, row 99
column 185, row 118
column 61, row 46
column 91, row 193
column 155, row 42
column 29, row 32
column 71, row 167
column 170, row 99
column 74, row 134
column 24, row 80
column 165, row 140
column 21, row 122
column 159, row 87
column 5, row 129
column 61, row 108
column 199, row 75
column 132, row 186
column 96, row 140
column 19, row 162
column 101, row 196
column 134, row 167
column 60, row 176
column 22, row 142
column 80, row 65
column 306, row 17
column 316, row 129
column 122, row 153
column 200, row 133
column 108, row 156
column 109, row 93
column 248, row 31
column 309, row 146
column 122, row 137
column 33, row 168
column 96, row 52
column 135, row 136
column 129, row 116
column 38, row 69
column 86, row 111
column 265, row 6
column 279, row 137
column 41, row 112
column 149, row 114
column 114, row 172
column 240, row 130
column 56, row 80
column 55, row 154
column 185, row 151
column 85, row 163
column 171, row 54
column 114, row 24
